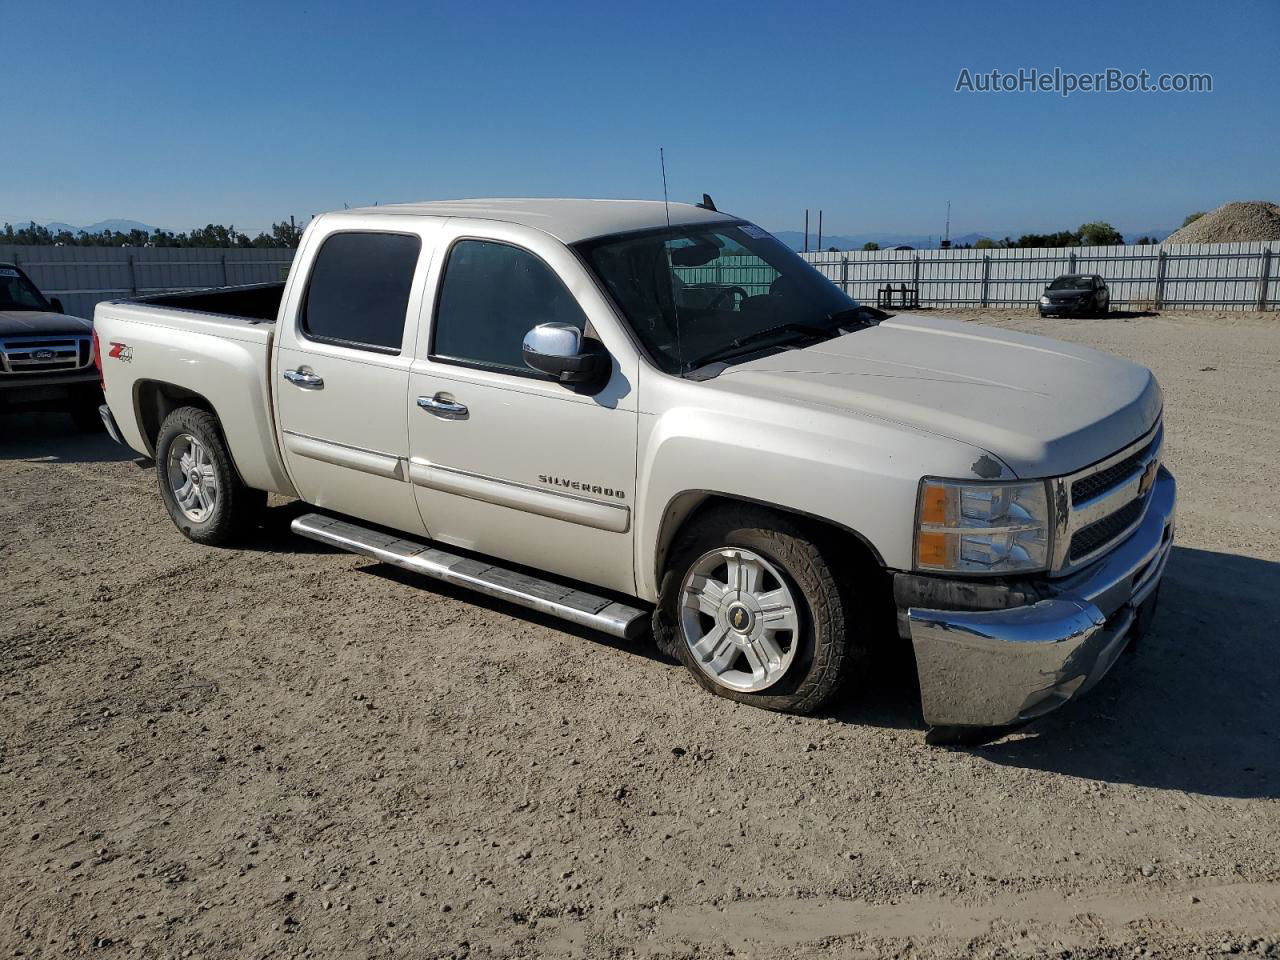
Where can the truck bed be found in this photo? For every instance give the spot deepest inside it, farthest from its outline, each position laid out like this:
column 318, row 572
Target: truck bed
column 259, row 302
column 220, row 344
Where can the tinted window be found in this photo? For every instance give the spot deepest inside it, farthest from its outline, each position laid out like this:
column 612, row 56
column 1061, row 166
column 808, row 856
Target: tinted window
column 359, row 290
column 1071, row 282
column 18, row 293
column 492, row 295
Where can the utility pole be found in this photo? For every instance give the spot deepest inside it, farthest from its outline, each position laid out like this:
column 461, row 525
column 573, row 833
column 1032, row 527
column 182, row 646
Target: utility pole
column 806, row 231
column 819, row 247
column 946, row 241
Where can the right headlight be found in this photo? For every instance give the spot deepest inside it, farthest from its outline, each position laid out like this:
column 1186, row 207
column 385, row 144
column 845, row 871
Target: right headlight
column 985, row 528
column 1044, row 301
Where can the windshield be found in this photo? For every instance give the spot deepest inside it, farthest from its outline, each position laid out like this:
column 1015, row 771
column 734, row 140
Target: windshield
column 19, row 293
column 1072, row 283
column 695, row 295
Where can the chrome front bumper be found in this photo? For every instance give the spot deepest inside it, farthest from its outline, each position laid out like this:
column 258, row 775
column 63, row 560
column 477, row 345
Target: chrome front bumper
column 995, row 668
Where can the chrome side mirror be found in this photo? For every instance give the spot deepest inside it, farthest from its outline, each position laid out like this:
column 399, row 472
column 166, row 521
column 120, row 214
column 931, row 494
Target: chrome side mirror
column 560, row 351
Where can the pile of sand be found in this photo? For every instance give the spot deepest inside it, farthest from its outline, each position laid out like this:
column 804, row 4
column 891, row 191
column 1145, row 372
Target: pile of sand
column 1233, row 223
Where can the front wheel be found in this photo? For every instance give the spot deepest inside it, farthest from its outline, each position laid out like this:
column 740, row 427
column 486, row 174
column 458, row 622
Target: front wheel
column 201, row 490
column 752, row 608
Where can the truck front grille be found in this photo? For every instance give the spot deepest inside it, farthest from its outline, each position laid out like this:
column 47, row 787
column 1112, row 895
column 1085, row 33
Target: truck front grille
column 45, row 354
column 1088, row 539
column 1106, row 501
column 1096, row 484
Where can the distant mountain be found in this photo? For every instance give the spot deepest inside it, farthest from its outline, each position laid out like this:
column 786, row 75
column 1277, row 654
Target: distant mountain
column 123, row 226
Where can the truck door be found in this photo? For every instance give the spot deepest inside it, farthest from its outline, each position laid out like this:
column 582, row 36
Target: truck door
column 341, row 371
column 505, row 460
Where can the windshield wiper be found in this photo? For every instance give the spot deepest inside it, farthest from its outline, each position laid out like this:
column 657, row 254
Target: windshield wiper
column 862, row 315
column 744, row 343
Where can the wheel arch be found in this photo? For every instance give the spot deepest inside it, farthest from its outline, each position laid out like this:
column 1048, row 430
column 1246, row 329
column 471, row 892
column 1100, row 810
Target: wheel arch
column 154, row 400
column 687, row 506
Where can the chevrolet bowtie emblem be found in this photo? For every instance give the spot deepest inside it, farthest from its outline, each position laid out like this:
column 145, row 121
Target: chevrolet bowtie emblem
column 1148, row 478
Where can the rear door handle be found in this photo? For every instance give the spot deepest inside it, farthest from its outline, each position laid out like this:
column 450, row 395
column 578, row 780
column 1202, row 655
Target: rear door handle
column 304, row 378
column 443, row 407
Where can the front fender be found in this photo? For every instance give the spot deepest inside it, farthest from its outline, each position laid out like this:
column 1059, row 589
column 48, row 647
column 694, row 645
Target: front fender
column 858, row 473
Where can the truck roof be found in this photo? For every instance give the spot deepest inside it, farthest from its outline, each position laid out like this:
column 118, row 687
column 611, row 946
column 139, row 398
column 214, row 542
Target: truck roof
column 568, row 220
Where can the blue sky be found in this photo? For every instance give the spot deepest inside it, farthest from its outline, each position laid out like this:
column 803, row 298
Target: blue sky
column 184, row 113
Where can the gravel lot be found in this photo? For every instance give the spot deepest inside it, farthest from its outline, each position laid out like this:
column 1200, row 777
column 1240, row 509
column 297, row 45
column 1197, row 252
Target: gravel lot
column 287, row 751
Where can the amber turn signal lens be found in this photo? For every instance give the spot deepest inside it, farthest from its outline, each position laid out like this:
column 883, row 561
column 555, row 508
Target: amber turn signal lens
column 931, row 549
column 933, row 505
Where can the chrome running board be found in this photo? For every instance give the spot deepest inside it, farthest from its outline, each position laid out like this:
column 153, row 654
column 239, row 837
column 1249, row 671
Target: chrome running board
column 567, row 603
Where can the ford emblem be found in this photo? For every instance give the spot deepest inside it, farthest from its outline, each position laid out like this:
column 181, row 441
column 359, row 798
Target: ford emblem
column 44, row 355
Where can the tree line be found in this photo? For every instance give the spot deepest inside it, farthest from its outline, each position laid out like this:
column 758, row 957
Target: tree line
column 284, row 234
column 1099, row 233
column 1096, row 234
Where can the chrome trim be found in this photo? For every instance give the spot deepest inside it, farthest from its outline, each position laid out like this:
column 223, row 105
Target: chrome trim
column 566, row 602
column 570, row 507
column 305, row 379
column 344, row 455
column 444, row 408
column 67, row 352
column 109, row 422
column 996, row 668
column 1070, row 519
column 553, row 340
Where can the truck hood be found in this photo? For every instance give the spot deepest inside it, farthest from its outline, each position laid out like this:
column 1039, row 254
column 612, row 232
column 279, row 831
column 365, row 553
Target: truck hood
column 1044, row 407
column 27, row 323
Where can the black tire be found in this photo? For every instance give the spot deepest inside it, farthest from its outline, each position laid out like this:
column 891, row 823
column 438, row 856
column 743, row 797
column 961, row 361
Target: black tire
column 826, row 653
column 236, row 509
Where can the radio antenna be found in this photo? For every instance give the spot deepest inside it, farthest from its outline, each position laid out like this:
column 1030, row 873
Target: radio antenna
column 666, row 249
column 666, row 205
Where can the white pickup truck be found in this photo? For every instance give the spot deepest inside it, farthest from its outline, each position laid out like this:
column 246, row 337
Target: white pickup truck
column 637, row 416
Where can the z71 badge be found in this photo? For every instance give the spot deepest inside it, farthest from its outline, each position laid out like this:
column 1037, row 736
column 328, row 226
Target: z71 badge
column 120, row 351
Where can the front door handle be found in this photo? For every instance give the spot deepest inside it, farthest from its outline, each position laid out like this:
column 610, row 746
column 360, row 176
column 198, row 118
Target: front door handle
column 443, row 407
column 304, row 378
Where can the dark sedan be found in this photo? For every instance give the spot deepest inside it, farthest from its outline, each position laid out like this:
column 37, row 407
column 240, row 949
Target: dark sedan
column 1076, row 294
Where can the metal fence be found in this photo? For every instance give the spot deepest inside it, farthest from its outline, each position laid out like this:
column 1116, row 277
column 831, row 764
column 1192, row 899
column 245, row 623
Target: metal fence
column 82, row 276
column 1206, row 276
column 1202, row 276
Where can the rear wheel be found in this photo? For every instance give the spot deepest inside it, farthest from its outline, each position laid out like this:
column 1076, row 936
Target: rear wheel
column 750, row 605
column 198, row 482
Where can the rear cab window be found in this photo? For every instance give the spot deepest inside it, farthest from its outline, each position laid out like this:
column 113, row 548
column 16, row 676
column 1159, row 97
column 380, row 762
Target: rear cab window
column 358, row 291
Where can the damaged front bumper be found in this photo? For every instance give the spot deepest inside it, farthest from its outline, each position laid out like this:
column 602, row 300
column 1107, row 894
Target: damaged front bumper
column 990, row 668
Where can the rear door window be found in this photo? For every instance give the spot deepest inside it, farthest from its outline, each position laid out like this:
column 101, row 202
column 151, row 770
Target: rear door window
column 359, row 290
column 491, row 296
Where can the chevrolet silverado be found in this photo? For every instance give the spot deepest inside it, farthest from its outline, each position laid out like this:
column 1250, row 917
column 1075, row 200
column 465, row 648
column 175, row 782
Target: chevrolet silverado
column 651, row 418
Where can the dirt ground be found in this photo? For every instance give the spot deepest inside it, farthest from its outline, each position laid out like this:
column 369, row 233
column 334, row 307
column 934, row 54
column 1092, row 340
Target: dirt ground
column 287, row 751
